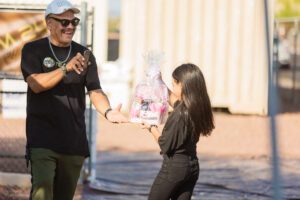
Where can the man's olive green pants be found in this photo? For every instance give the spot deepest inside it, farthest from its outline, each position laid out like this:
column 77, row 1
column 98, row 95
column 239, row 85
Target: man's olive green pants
column 54, row 175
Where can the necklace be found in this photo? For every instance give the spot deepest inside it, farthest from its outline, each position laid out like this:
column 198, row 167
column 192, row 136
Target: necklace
column 59, row 62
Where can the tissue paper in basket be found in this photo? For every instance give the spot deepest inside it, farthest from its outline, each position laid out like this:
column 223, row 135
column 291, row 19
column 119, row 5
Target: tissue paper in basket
column 150, row 104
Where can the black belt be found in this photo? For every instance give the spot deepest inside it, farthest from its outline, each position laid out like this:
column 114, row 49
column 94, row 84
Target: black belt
column 180, row 156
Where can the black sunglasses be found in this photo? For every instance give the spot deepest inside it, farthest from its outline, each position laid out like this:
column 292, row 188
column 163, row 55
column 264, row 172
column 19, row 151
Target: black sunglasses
column 65, row 22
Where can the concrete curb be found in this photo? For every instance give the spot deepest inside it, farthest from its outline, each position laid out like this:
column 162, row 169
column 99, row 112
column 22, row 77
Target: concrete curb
column 15, row 179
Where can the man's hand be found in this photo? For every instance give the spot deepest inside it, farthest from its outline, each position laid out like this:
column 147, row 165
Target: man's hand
column 116, row 116
column 76, row 64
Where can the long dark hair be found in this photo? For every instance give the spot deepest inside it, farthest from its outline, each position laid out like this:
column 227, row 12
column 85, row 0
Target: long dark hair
column 195, row 102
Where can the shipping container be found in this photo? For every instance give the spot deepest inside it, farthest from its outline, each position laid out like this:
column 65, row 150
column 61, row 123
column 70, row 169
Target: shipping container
column 225, row 38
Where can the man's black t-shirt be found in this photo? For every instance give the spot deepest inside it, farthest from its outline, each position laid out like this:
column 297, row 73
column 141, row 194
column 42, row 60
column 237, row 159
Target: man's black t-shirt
column 55, row 118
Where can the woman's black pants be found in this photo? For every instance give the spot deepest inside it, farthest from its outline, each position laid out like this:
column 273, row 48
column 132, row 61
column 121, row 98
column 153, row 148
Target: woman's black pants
column 176, row 179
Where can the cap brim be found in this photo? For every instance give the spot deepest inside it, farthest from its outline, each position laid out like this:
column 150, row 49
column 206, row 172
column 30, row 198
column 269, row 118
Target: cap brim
column 75, row 10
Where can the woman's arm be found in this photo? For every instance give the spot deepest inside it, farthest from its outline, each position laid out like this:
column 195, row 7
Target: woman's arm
column 153, row 129
column 174, row 133
column 155, row 132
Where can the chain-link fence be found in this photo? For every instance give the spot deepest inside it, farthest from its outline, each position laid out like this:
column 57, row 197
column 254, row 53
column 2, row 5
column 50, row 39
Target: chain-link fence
column 287, row 62
column 12, row 128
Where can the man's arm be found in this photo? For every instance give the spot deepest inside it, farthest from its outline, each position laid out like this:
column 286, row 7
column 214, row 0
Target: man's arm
column 45, row 81
column 102, row 105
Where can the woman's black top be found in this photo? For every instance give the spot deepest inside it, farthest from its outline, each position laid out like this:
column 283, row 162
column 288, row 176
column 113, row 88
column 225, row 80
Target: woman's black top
column 178, row 135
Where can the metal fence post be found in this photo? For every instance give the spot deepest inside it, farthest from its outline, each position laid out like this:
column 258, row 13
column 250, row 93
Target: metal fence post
column 89, row 171
column 91, row 114
column 296, row 27
column 92, row 128
column 272, row 105
column 83, row 24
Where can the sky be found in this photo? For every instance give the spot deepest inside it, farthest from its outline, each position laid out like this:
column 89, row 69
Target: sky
column 114, row 8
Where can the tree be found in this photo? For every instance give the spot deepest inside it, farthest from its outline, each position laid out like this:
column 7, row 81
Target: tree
column 287, row 8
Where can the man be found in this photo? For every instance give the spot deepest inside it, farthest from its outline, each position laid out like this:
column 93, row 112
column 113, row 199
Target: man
column 57, row 75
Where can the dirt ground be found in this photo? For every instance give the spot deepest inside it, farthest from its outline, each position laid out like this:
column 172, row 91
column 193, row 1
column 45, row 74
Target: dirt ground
column 234, row 135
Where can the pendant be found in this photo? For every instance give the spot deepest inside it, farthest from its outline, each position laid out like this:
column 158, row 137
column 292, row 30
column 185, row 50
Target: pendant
column 48, row 62
column 59, row 64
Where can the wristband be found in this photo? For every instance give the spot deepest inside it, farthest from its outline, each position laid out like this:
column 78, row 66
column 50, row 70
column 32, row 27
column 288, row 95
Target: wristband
column 106, row 112
column 64, row 69
column 152, row 125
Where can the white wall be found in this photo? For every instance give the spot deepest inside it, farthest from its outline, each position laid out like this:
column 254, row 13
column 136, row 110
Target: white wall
column 225, row 38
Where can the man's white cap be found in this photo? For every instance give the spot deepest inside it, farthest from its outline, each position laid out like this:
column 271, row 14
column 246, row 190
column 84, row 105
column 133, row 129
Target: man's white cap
column 60, row 6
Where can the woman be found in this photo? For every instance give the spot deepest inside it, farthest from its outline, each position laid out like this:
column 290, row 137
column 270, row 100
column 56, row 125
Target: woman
column 192, row 117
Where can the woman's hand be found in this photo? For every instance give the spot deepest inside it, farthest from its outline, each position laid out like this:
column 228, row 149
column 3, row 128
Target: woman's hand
column 145, row 126
column 153, row 129
column 149, row 127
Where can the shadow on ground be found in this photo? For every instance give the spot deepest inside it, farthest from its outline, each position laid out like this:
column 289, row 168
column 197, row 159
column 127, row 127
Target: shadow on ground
column 128, row 176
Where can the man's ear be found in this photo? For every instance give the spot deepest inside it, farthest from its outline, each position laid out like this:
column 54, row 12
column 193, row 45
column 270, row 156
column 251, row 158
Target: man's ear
column 48, row 23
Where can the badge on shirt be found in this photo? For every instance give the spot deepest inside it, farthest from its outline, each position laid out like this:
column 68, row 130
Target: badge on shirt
column 49, row 62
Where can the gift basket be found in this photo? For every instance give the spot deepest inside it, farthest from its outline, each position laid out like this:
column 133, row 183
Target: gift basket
column 150, row 100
